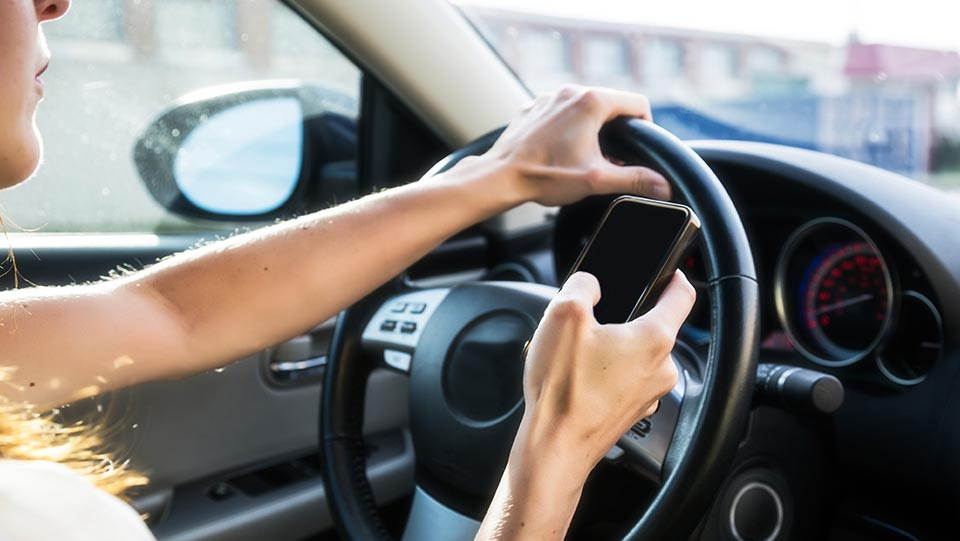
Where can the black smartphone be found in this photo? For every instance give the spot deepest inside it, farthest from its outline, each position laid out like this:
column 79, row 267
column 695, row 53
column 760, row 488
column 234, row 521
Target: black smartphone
column 634, row 252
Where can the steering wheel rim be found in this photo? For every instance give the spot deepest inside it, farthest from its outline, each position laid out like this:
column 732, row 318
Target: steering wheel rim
column 702, row 447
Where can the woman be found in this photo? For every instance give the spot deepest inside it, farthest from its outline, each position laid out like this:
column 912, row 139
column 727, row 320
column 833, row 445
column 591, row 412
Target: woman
column 190, row 318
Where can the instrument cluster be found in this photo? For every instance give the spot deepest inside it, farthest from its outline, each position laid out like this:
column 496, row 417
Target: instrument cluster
column 837, row 300
column 840, row 301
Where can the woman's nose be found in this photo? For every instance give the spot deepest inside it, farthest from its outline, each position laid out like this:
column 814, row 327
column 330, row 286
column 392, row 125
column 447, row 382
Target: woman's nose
column 49, row 10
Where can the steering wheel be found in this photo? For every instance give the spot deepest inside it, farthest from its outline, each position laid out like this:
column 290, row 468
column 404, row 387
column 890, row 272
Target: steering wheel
column 461, row 347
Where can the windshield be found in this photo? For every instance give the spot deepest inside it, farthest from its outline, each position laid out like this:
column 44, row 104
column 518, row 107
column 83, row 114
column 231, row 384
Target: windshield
column 874, row 81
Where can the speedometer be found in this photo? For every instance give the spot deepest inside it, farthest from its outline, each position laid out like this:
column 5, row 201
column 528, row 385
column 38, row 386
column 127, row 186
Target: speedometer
column 843, row 304
column 834, row 292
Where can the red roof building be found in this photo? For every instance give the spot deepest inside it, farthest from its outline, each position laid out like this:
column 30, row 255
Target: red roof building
column 901, row 63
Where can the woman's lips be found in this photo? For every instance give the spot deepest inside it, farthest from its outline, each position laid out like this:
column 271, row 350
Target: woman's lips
column 39, row 73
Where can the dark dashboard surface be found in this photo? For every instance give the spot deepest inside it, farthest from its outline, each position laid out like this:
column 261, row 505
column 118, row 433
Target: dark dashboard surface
column 860, row 278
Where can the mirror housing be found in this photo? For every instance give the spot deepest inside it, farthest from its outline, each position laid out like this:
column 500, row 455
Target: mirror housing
column 251, row 152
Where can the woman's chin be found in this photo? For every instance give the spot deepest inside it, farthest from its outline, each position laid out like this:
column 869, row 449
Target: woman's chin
column 13, row 172
column 20, row 160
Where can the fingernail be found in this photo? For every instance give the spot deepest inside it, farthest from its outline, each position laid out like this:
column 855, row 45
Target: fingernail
column 661, row 190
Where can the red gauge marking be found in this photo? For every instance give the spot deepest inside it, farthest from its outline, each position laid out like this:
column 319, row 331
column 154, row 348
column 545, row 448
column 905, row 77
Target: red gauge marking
column 845, row 301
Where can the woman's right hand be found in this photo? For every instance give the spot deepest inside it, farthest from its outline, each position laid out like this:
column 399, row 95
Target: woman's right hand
column 585, row 383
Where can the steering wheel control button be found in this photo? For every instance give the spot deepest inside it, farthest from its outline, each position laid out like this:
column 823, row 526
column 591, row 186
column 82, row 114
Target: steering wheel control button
column 388, row 325
column 397, row 359
column 388, row 331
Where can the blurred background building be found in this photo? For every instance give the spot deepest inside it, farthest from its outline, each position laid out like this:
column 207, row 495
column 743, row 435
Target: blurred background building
column 890, row 106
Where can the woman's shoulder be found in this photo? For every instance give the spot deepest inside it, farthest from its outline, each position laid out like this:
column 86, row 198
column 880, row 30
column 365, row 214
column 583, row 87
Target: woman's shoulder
column 45, row 500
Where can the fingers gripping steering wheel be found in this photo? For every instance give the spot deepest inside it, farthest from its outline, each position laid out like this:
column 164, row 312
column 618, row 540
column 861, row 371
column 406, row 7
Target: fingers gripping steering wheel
column 460, row 347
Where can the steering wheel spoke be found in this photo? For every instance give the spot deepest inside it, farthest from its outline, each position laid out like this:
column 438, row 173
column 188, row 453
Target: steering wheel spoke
column 431, row 520
column 394, row 331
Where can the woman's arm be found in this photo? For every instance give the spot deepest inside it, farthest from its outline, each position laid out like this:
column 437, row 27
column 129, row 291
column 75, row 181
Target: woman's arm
column 206, row 307
column 584, row 385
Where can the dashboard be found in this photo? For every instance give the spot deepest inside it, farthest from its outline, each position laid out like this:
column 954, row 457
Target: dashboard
column 859, row 274
column 840, row 291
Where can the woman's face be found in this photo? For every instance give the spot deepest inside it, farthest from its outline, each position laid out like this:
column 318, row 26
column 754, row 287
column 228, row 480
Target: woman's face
column 23, row 56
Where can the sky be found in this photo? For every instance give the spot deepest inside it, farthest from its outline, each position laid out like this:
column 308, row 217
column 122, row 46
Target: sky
column 917, row 23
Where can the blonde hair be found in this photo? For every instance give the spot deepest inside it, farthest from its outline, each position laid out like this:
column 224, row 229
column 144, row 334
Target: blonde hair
column 26, row 434
column 29, row 435
column 10, row 257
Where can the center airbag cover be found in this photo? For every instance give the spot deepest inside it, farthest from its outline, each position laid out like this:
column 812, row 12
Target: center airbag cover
column 483, row 375
column 466, row 381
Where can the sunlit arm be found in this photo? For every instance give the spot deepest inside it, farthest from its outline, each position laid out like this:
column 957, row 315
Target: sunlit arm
column 204, row 308
column 201, row 309
column 538, row 493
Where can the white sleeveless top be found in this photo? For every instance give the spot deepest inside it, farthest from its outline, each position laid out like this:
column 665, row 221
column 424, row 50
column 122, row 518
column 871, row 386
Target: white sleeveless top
column 41, row 501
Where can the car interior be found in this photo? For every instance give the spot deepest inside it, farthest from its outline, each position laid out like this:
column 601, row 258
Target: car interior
column 819, row 367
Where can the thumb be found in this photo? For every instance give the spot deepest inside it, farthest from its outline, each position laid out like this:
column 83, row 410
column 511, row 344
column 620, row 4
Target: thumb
column 582, row 289
column 674, row 305
column 579, row 294
column 573, row 304
column 633, row 180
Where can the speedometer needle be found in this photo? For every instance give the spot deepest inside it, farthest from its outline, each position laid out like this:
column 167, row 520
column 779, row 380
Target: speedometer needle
column 845, row 302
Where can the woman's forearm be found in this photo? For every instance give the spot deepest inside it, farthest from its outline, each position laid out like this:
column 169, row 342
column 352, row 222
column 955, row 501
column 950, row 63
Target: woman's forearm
column 526, row 508
column 201, row 309
column 253, row 291
column 540, row 487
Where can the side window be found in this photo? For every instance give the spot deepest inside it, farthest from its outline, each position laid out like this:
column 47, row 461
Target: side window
column 118, row 65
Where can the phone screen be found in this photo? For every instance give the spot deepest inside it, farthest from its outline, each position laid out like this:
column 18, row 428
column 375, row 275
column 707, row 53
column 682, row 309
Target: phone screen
column 626, row 253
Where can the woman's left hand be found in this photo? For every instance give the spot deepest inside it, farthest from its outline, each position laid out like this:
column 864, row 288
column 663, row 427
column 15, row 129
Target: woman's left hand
column 553, row 154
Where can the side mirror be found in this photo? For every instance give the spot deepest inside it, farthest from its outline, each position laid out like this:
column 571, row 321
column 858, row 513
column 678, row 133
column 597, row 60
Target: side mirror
column 251, row 152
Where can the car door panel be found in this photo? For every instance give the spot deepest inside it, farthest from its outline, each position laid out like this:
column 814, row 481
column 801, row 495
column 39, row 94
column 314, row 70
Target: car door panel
column 258, row 442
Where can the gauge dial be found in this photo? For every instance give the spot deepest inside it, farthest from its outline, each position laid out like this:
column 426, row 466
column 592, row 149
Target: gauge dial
column 843, row 304
column 834, row 292
column 915, row 344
